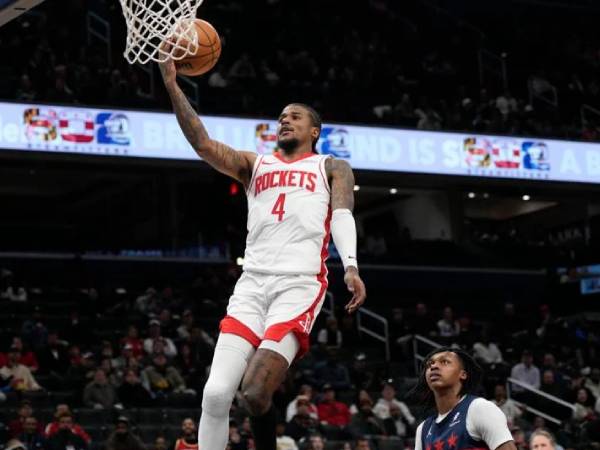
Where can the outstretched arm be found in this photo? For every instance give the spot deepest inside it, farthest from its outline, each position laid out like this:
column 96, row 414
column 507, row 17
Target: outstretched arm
column 225, row 159
column 343, row 227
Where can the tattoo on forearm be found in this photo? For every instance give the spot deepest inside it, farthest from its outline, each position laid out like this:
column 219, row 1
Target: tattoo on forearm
column 188, row 119
column 220, row 156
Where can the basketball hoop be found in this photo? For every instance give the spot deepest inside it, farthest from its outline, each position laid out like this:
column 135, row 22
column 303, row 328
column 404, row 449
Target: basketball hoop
column 152, row 22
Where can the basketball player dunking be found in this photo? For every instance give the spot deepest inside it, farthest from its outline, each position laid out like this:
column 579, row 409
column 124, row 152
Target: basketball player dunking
column 463, row 421
column 295, row 199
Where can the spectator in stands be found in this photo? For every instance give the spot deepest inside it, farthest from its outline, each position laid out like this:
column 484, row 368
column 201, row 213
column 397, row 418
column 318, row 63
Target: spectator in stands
column 550, row 386
column 315, row 442
column 304, row 397
column 167, row 325
column 65, row 438
column 160, row 443
column 53, row 427
column 541, row 439
column 189, row 436
column 448, row 328
column 154, row 335
column 99, row 393
column 507, row 405
column 203, row 345
column 400, row 334
column 53, row 356
column 592, row 383
column 362, row 375
column 360, row 396
column 389, row 407
column 17, row 426
column 28, row 358
column 362, row 443
column 132, row 338
column 161, row 379
column 284, row 442
column 334, row 415
column 549, row 363
column 422, row 324
column 302, row 424
column 82, row 369
column 76, row 332
column 131, row 393
column 111, row 375
column 485, row 351
column 330, row 336
column 31, row 436
column 147, row 303
column 190, row 367
column 526, row 372
column 365, row 422
column 509, row 325
column 519, row 438
column 184, row 331
column 15, row 444
column 583, row 411
column 332, row 372
column 33, row 331
column 18, row 376
column 122, row 438
column 120, row 362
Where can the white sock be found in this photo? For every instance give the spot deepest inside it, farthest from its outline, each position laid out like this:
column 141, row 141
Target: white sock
column 230, row 360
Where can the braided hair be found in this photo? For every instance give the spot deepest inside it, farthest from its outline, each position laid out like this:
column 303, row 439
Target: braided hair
column 423, row 395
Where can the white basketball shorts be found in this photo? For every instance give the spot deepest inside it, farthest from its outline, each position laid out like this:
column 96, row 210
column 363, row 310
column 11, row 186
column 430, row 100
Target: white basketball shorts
column 267, row 307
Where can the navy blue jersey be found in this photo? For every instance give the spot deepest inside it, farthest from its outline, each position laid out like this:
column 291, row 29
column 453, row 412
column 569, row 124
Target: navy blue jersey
column 451, row 433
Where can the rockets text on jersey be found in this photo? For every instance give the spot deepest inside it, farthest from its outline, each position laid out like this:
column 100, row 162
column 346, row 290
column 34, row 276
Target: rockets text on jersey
column 288, row 216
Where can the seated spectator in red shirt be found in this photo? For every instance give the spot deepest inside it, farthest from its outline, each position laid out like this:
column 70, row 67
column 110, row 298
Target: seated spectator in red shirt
column 16, row 426
column 65, row 438
column 28, row 358
column 133, row 339
column 334, row 415
column 54, row 427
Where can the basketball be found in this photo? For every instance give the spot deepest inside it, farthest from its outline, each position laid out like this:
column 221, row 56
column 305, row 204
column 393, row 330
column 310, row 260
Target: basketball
column 207, row 54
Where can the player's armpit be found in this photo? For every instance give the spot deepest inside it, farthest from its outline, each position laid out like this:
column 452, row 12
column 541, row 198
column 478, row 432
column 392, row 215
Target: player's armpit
column 509, row 445
column 342, row 184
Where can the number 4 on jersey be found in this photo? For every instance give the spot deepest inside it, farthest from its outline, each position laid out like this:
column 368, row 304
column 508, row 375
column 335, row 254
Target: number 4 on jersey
column 278, row 207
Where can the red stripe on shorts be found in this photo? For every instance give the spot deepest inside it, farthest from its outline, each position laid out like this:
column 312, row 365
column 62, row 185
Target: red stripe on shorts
column 302, row 324
column 231, row 325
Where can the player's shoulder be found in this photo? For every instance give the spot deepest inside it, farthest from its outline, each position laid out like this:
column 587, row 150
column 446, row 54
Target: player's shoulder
column 481, row 407
column 336, row 165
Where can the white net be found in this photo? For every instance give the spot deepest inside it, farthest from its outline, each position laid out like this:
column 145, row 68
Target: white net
column 150, row 23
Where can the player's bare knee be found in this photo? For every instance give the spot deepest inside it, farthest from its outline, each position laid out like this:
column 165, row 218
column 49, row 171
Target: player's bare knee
column 257, row 400
column 217, row 398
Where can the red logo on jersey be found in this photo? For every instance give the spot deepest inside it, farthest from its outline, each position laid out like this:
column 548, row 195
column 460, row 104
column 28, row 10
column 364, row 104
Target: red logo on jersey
column 283, row 178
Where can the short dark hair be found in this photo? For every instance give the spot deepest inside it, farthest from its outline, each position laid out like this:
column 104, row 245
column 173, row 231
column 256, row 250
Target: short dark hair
column 316, row 120
column 424, row 396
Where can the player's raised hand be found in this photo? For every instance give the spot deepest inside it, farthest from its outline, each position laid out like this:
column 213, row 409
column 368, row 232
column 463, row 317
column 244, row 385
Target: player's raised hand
column 356, row 286
column 167, row 68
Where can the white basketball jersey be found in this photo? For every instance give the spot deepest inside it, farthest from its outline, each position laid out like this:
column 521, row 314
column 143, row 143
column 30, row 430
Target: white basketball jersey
column 288, row 216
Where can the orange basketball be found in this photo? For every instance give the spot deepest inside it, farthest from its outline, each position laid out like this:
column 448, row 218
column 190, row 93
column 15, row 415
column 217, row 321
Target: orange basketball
column 207, row 55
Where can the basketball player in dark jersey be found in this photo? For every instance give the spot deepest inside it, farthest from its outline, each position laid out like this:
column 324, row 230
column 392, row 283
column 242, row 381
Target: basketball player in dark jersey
column 462, row 421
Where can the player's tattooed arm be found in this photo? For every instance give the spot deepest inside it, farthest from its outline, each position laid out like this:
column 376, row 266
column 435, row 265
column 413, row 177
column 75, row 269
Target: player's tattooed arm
column 225, row 159
column 342, row 184
column 342, row 197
